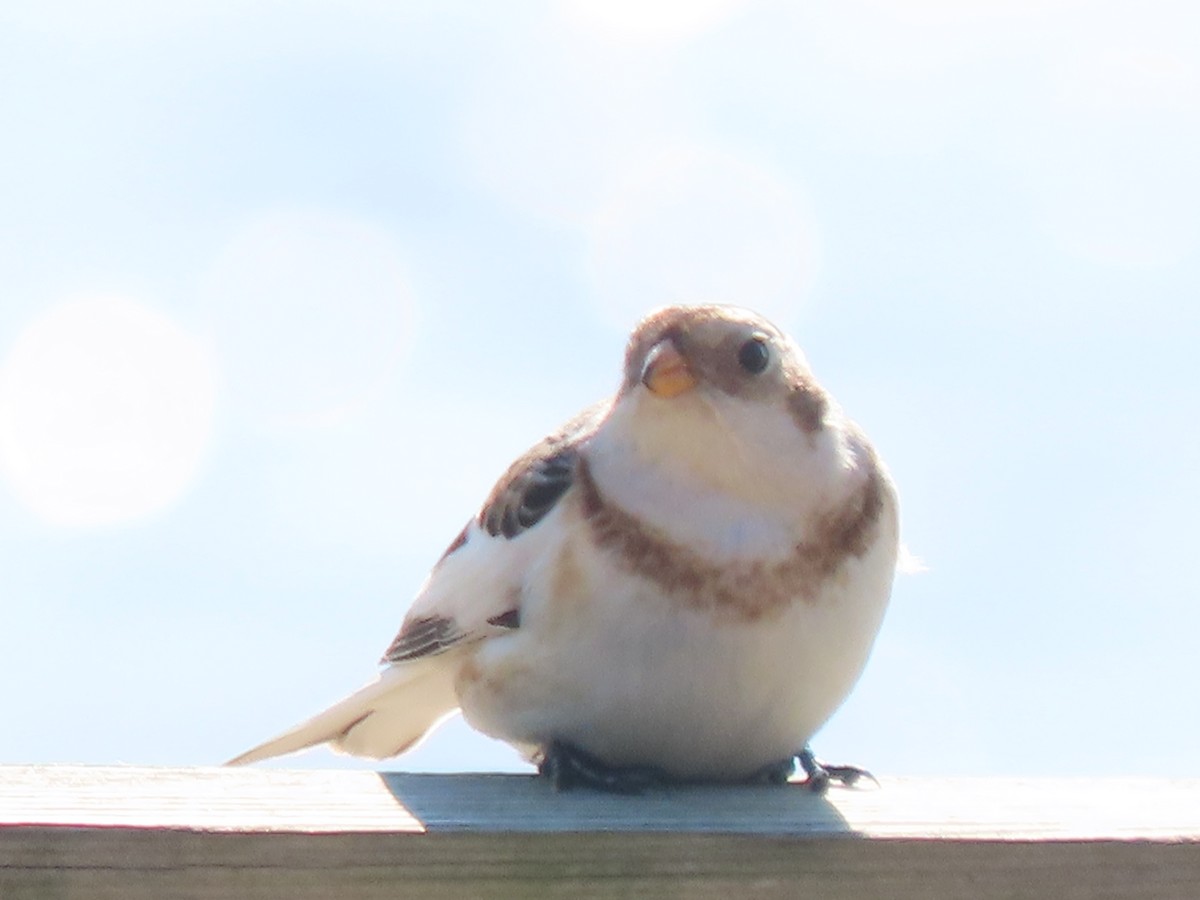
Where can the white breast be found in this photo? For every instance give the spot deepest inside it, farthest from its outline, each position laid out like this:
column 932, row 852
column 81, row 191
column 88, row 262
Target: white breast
column 727, row 478
column 605, row 660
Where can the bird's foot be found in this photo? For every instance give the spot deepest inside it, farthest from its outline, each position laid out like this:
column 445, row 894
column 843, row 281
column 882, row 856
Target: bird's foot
column 820, row 774
column 568, row 767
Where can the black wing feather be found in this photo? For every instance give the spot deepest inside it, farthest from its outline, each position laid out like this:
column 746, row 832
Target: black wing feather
column 423, row 637
column 526, row 498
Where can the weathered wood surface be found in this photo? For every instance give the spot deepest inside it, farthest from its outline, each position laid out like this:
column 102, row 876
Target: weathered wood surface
column 68, row 831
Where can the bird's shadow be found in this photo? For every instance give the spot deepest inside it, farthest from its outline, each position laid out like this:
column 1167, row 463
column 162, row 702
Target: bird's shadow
column 529, row 803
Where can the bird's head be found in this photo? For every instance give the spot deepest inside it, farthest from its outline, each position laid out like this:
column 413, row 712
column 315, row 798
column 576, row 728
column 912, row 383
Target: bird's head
column 721, row 355
column 723, row 392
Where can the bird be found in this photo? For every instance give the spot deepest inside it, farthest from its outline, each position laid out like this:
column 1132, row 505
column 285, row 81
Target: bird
column 680, row 585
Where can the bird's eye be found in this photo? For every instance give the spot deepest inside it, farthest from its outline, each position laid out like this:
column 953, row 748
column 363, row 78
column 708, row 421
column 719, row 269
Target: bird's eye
column 754, row 355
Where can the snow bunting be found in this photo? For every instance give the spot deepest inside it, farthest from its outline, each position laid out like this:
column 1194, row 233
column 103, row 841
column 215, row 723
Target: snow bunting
column 682, row 584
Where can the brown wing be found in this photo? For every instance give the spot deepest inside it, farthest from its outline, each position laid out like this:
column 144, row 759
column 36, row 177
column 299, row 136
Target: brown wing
column 528, row 495
column 536, row 481
column 522, row 498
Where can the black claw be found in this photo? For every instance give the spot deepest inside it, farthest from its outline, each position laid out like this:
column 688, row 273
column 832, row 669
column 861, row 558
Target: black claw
column 821, row 774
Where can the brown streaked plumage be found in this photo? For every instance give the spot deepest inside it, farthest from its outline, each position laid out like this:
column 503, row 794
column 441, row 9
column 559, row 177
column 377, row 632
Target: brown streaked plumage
column 808, row 404
column 738, row 590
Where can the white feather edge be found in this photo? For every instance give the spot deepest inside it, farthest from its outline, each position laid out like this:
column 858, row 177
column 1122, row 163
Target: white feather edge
column 381, row 719
column 409, row 699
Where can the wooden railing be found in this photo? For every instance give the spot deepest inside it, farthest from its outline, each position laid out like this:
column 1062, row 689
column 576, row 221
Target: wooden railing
column 140, row 833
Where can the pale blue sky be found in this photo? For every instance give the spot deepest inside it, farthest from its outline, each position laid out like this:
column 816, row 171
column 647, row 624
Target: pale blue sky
column 284, row 288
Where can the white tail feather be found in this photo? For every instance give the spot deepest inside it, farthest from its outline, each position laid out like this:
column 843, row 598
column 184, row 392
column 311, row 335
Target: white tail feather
column 384, row 718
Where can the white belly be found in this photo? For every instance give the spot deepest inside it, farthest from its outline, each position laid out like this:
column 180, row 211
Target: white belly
column 605, row 661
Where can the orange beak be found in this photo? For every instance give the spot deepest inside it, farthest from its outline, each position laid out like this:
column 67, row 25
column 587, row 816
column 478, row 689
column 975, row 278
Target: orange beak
column 665, row 373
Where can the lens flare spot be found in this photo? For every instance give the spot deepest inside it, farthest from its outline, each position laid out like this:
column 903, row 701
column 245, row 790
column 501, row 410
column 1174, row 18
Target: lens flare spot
column 106, row 411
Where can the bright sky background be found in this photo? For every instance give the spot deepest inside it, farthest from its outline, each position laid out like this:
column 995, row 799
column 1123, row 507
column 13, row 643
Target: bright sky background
column 285, row 287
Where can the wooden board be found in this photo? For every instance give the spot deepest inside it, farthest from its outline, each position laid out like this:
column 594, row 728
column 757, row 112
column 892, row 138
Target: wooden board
column 128, row 832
